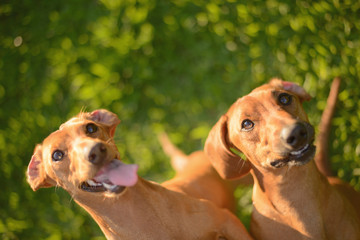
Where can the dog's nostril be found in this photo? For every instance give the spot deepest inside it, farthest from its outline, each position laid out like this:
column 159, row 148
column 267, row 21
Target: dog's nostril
column 290, row 140
column 97, row 153
column 92, row 157
column 102, row 148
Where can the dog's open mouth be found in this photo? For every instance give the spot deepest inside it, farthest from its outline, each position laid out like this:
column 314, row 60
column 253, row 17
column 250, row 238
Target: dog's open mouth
column 113, row 177
column 296, row 158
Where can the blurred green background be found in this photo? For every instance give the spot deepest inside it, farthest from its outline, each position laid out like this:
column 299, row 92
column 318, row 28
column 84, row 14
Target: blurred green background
column 173, row 65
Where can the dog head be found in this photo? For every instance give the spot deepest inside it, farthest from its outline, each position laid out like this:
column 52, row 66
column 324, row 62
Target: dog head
column 268, row 127
column 82, row 156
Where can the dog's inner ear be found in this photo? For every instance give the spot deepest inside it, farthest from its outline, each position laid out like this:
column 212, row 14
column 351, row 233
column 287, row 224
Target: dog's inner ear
column 106, row 118
column 36, row 175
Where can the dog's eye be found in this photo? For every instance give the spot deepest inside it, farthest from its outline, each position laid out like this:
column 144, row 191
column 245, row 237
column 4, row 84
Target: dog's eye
column 247, row 125
column 57, row 155
column 285, row 99
column 91, row 128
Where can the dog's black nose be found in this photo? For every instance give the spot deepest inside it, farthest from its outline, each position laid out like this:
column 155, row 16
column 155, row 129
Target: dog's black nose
column 97, row 153
column 294, row 136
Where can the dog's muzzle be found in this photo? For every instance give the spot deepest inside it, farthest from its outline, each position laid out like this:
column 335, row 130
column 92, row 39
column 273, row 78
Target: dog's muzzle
column 297, row 145
column 113, row 177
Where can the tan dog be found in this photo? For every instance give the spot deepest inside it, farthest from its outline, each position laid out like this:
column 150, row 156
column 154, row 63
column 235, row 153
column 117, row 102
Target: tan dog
column 81, row 157
column 196, row 177
column 291, row 198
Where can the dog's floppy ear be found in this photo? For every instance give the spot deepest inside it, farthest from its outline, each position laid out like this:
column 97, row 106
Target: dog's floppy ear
column 291, row 87
column 106, row 118
column 36, row 175
column 217, row 147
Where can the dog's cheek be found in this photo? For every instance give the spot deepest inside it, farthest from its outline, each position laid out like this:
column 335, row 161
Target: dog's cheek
column 301, row 113
column 78, row 171
column 267, row 146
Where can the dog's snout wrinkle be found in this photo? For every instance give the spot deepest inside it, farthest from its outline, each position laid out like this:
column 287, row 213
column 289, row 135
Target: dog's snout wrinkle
column 294, row 136
column 97, row 153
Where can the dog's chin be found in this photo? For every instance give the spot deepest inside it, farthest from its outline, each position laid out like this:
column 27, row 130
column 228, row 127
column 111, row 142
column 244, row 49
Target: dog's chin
column 296, row 158
column 100, row 187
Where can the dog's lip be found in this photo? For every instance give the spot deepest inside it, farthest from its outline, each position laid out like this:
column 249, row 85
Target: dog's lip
column 109, row 179
column 92, row 186
column 300, row 152
column 296, row 157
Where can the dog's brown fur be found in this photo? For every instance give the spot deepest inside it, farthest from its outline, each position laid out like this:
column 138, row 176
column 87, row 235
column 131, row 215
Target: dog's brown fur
column 83, row 149
column 322, row 143
column 196, row 176
column 291, row 198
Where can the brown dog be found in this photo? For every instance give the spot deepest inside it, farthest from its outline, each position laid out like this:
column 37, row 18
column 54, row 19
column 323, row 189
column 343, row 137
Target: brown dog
column 196, row 177
column 322, row 140
column 291, row 198
column 81, row 157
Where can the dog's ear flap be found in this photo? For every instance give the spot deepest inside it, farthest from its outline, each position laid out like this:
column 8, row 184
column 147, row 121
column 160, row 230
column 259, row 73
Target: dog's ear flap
column 291, row 87
column 227, row 164
column 36, row 175
column 106, row 118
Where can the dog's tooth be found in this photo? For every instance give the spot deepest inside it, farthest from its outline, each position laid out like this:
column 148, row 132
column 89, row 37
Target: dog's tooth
column 109, row 187
column 93, row 183
column 300, row 151
column 295, row 152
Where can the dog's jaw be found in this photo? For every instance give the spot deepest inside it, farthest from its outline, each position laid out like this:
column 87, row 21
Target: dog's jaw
column 296, row 158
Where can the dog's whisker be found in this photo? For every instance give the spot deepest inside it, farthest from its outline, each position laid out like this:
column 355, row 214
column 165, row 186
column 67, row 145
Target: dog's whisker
column 57, row 186
column 240, row 163
column 110, row 140
column 83, row 109
column 72, row 196
column 287, row 170
column 82, row 114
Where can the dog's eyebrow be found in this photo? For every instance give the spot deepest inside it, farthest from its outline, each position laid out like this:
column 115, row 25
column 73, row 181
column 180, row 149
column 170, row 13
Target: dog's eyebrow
column 274, row 93
column 253, row 116
column 82, row 116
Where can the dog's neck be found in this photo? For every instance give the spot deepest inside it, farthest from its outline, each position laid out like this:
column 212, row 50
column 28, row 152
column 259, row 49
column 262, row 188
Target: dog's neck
column 285, row 193
column 96, row 204
column 286, row 178
column 115, row 213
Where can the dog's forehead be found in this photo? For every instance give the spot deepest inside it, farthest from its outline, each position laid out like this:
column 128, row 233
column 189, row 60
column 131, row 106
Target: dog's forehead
column 73, row 122
column 59, row 137
column 264, row 87
column 254, row 103
column 56, row 138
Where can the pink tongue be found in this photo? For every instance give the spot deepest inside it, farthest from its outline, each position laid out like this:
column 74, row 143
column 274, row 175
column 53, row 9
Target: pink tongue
column 118, row 173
